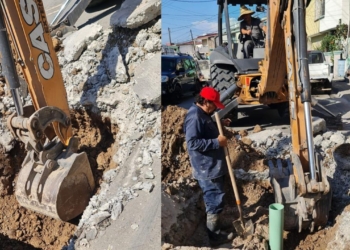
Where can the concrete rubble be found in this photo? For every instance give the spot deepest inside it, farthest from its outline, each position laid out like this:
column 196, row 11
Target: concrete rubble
column 105, row 72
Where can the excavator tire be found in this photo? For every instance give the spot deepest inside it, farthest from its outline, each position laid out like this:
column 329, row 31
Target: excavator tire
column 222, row 76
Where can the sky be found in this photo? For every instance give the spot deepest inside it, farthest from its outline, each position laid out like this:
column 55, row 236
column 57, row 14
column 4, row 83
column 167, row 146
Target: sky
column 198, row 16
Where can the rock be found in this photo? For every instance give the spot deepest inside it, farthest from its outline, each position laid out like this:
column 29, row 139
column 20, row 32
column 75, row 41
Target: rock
column 99, row 217
column 261, row 137
column 247, row 141
column 91, row 234
column 337, row 138
column 318, row 140
column 116, row 210
column 318, row 125
column 134, row 226
column 147, row 77
column 243, row 132
column 109, row 175
column 327, row 135
column 157, row 28
column 146, row 158
column 105, row 207
column 269, row 143
column 257, row 129
column 136, row 137
column 95, row 46
column 84, row 243
column 133, row 14
column 147, row 186
column 115, row 66
column 6, row 140
column 149, row 175
column 138, row 186
column 155, row 146
column 326, row 144
column 77, row 42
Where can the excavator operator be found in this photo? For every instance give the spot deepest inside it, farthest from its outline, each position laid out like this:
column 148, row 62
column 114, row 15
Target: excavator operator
column 251, row 29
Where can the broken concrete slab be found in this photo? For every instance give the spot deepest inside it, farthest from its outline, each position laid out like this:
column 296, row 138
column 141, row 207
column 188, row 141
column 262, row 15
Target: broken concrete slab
column 135, row 13
column 75, row 44
column 115, row 66
column 318, row 125
column 147, row 78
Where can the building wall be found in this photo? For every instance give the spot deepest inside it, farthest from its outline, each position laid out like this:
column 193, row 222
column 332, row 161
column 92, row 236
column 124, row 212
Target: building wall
column 315, row 42
column 187, row 49
column 333, row 12
column 312, row 26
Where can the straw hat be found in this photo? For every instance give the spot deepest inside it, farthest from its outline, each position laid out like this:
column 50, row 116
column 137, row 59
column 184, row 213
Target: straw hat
column 245, row 11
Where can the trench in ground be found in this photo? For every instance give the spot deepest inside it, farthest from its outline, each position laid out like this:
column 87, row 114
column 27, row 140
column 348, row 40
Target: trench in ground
column 21, row 228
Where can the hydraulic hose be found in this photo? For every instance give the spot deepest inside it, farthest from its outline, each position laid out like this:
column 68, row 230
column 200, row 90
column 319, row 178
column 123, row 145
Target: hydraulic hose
column 8, row 67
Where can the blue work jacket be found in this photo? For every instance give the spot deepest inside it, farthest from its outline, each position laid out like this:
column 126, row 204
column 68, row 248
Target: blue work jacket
column 206, row 156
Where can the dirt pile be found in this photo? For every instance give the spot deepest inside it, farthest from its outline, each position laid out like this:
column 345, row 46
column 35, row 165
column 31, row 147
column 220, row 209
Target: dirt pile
column 181, row 188
column 250, row 155
column 175, row 159
column 20, row 226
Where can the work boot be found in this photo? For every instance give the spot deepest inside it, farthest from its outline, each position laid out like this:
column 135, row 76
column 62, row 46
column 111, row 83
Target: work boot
column 216, row 237
column 225, row 223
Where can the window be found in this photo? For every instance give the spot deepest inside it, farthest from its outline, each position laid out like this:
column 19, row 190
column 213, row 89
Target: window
column 168, row 64
column 187, row 64
column 319, row 9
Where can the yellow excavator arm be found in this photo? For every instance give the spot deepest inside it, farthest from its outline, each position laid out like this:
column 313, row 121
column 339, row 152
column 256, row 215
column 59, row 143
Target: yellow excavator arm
column 280, row 77
column 54, row 179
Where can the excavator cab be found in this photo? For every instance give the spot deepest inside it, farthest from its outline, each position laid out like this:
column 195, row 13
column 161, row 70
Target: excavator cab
column 55, row 179
column 280, row 78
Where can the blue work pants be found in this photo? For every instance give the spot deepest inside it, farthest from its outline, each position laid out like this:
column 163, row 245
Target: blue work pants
column 213, row 194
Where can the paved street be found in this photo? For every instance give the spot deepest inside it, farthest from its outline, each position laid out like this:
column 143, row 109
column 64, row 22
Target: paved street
column 251, row 115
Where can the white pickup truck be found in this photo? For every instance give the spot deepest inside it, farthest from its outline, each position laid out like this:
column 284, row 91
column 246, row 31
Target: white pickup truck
column 320, row 72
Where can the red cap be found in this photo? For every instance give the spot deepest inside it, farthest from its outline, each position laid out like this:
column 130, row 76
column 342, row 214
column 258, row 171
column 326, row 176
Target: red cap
column 211, row 94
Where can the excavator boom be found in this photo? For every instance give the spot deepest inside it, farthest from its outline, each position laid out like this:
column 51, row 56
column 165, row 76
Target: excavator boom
column 54, row 179
column 280, row 77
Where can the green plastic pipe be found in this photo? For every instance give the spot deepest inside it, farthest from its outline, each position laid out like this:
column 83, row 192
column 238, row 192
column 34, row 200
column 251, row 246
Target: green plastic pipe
column 276, row 224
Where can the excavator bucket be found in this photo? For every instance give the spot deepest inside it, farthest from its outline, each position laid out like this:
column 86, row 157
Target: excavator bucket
column 59, row 188
column 54, row 179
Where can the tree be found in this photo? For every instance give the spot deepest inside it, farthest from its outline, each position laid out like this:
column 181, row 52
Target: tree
column 333, row 40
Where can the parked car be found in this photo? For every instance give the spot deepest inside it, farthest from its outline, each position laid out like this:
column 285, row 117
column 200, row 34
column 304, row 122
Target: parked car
column 179, row 76
column 320, row 71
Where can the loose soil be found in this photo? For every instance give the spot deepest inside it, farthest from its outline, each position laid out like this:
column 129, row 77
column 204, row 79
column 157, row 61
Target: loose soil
column 21, row 228
column 256, row 196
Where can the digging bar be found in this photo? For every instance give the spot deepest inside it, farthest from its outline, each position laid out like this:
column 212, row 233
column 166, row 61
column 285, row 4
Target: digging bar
column 243, row 228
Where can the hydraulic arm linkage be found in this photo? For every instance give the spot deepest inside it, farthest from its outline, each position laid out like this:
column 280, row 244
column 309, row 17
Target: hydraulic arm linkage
column 54, row 179
column 302, row 186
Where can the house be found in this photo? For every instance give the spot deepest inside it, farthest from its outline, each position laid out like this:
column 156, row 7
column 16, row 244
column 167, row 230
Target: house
column 208, row 42
column 188, row 47
column 322, row 17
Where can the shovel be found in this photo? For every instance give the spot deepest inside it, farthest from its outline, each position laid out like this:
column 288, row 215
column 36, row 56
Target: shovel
column 243, row 228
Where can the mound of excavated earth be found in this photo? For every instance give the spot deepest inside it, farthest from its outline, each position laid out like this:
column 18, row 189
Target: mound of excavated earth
column 183, row 211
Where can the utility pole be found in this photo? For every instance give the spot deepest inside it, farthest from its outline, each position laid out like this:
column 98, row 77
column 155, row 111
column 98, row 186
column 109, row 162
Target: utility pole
column 194, row 43
column 169, row 36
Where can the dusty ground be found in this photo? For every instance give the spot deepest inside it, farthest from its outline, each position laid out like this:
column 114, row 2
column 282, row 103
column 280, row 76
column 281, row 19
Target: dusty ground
column 181, row 195
column 24, row 229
